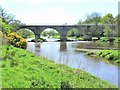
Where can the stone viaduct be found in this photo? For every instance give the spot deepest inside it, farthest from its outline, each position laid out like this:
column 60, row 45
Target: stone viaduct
column 63, row 29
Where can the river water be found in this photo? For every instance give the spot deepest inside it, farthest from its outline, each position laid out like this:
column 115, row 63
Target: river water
column 64, row 53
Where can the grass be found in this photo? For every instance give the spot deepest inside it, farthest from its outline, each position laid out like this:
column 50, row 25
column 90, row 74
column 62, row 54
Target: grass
column 111, row 55
column 56, row 36
column 22, row 69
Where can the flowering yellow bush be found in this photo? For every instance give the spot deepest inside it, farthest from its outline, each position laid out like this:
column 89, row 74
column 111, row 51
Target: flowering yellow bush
column 17, row 40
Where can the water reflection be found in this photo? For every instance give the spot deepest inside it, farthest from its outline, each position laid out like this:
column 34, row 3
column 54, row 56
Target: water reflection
column 37, row 47
column 64, row 53
column 63, row 46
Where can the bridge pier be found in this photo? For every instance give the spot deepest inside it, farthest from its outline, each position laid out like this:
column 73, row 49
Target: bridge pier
column 63, row 32
column 87, row 34
column 37, row 36
column 63, row 37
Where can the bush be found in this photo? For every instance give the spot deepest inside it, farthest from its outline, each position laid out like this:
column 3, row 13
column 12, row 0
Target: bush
column 104, row 39
column 17, row 41
column 117, row 40
column 109, row 55
column 3, row 39
column 38, row 40
column 89, row 53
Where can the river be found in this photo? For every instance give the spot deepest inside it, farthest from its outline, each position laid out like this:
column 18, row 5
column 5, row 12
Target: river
column 64, row 53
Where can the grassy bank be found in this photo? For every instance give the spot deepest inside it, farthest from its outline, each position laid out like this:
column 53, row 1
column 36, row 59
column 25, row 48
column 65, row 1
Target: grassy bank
column 112, row 55
column 23, row 69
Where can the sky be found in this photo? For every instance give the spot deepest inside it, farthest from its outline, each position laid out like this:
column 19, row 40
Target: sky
column 57, row 12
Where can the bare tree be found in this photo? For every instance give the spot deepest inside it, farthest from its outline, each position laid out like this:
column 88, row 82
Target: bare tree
column 6, row 18
column 96, row 17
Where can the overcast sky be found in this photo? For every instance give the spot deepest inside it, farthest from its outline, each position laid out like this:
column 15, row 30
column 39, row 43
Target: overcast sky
column 57, row 11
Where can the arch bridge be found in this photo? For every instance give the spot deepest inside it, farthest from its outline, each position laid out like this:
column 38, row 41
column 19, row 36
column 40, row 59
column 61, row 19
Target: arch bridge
column 63, row 29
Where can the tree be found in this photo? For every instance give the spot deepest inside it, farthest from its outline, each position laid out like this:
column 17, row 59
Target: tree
column 44, row 33
column 96, row 17
column 109, row 19
column 108, row 32
column 6, row 18
column 5, row 28
column 79, row 22
column 24, row 33
column 15, row 25
column 93, row 18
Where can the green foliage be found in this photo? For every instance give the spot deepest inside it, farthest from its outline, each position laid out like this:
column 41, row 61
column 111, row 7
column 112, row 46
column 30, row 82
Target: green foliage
column 44, row 33
column 80, row 38
column 106, row 54
column 17, row 41
column 107, row 19
column 109, row 55
column 104, row 39
column 24, row 33
column 56, row 36
column 5, row 28
column 108, row 32
column 51, row 33
column 15, row 25
column 3, row 39
column 89, row 53
column 117, row 40
column 74, row 32
column 31, row 71
column 38, row 40
column 93, row 18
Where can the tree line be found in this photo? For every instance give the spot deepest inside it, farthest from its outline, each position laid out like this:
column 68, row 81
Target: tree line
column 9, row 24
column 97, row 19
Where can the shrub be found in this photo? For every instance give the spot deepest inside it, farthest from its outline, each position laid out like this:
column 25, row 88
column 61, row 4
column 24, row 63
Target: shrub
column 89, row 53
column 38, row 40
column 17, row 41
column 109, row 55
column 104, row 39
column 3, row 39
column 117, row 40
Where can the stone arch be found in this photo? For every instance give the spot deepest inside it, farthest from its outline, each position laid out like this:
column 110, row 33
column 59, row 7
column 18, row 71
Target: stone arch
column 74, row 31
column 62, row 30
column 27, row 29
column 52, row 28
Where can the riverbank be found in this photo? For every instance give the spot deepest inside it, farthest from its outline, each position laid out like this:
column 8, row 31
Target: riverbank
column 23, row 69
column 111, row 55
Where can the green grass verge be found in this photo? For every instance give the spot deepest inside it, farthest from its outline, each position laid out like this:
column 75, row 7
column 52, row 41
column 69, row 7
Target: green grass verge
column 112, row 55
column 23, row 69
